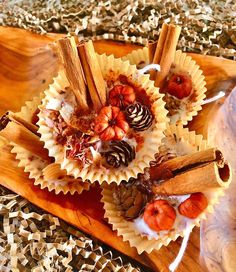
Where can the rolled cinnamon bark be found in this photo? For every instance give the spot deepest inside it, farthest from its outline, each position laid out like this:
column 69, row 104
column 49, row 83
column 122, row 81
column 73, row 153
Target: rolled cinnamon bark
column 199, row 179
column 14, row 117
column 167, row 54
column 73, row 69
column 159, row 49
column 151, row 50
column 25, row 138
column 93, row 74
column 187, row 161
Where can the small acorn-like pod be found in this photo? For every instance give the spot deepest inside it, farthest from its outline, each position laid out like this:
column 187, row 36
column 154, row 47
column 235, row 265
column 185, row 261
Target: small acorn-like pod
column 193, row 206
column 139, row 116
column 159, row 215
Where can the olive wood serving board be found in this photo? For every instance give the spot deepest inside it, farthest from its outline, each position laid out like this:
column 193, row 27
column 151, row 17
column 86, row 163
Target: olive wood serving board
column 27, row 66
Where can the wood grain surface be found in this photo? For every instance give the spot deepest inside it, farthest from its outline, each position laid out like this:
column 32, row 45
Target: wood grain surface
column 27, row 66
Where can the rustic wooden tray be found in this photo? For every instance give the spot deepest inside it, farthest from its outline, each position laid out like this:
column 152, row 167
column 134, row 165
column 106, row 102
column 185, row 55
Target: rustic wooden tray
column 27, row 66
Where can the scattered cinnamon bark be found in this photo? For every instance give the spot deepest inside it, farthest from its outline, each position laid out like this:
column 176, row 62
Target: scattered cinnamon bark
column 21, row 133
column 164, row 52
column 93, row 74
column 73, row 69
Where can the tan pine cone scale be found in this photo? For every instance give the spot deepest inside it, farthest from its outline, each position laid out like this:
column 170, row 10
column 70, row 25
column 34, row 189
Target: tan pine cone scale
column 129, row 200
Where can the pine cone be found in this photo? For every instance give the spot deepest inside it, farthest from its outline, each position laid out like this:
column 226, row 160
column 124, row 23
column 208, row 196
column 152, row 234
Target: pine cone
column 163, row 155
column 121, row 153
column 143, row 181
column 129, row 200
column 139, row 116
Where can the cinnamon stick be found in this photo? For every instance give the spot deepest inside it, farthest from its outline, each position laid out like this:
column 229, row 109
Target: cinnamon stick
column 17, row 119
column 187, row 161
column 199, row 179
column 151, row 50
column 20, row 135
column 93, row 74
column 73, row 70
column 167, row 53
column 159, row 49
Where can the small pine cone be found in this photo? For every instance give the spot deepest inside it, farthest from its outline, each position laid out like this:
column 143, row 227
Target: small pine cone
column 144, row 183
column 163, row 155
column 113, row 159
column 139, row 116
column 172, row 104
column 121, row 153
column 129, row 200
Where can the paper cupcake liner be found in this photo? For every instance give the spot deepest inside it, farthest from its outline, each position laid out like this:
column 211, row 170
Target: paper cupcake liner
column 34, row 165
column 182, row 63
column 125, row 228
column 109, row 66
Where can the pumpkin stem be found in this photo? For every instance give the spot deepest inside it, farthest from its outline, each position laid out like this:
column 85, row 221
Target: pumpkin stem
column 112, row 122
column 155, row 212
column 178, row 80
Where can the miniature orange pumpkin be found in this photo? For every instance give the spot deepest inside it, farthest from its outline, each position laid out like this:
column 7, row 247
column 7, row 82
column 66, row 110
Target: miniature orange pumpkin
column 179, row 85
column 121, row 96
column 159, row 215
column 193, row 206
column 110, row 124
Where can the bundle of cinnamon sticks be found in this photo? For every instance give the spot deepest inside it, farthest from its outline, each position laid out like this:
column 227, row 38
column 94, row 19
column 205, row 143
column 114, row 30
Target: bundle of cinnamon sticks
column 83, row 72
column 23, row 133
column 192, row 173
column 163, row 52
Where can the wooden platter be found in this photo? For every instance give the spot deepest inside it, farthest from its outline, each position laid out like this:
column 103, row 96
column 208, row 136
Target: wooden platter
column 27, row 66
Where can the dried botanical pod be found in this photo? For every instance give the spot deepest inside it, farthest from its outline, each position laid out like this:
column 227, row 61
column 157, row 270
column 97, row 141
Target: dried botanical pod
column 172, row 104
column 129, row 200
column 139, row 116
column 79, row 148
column 121, row 153
column 193, row 206
column 83, row 122
column 159, row 215
column 179, row 85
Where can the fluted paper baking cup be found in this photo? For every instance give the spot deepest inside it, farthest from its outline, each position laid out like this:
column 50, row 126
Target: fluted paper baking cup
column 182, row 64
column 126, row 228
column 34, row 165
column 110, row 66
